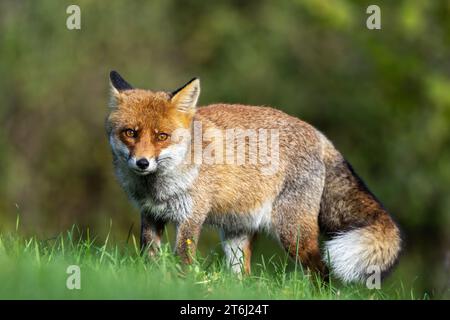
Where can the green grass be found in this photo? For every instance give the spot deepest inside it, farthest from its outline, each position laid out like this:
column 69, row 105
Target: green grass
column 36, row 269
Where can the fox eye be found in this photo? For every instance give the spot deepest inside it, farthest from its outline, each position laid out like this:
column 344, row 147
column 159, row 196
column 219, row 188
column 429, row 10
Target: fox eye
column 162, row 136
column 130, row 133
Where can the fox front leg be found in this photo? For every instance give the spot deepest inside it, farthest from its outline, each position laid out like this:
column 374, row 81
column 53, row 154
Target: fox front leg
column 188, row 233
column 151, row 233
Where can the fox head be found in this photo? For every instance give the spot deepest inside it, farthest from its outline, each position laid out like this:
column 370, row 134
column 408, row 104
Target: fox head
column 143, row 126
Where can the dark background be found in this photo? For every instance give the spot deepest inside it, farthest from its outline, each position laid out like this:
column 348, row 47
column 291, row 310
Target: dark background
column 382, row 96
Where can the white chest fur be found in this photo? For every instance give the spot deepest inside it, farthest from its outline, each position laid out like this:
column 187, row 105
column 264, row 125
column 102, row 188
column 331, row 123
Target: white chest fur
column 163, row 195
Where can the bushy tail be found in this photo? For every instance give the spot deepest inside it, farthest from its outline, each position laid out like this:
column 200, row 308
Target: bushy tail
column 364, row 238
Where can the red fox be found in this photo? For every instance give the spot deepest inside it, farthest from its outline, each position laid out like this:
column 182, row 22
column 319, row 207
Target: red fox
column 310, row 188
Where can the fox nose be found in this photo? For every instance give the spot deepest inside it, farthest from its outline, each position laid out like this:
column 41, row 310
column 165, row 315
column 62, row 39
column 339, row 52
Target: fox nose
column 142, row 163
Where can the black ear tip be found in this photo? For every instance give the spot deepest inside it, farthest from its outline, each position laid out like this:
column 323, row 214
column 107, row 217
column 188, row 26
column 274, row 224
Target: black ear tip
column 192, row 80
column 118, row 82
column 113, row 74
column 173, row 93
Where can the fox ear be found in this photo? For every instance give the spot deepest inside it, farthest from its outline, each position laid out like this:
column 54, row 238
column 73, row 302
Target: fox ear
column 185, row 98
column 118, row 83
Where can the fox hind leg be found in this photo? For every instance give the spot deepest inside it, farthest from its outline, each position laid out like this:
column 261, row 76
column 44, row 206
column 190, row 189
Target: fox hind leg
column 295, row 223
column 238, row 250
column 301, row 241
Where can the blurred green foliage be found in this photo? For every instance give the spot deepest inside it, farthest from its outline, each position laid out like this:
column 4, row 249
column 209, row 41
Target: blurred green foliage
column 382, row 96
